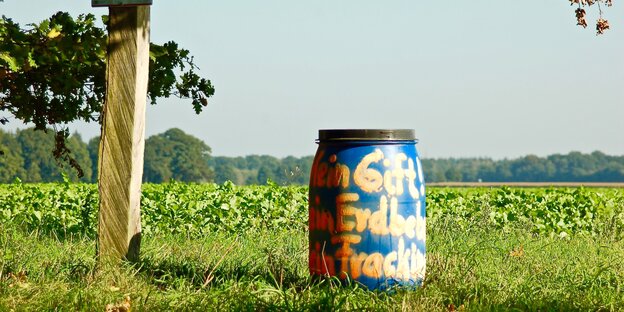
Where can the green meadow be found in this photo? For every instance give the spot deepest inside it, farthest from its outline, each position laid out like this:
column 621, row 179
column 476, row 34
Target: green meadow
column 224, row 247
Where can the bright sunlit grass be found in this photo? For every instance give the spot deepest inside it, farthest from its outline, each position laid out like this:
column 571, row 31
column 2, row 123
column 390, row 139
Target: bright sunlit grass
column 474, row 268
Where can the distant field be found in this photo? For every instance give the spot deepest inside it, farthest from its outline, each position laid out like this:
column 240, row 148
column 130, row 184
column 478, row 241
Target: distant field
column 529, row 184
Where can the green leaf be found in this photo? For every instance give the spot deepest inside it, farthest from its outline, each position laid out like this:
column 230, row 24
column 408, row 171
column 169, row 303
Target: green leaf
column 10, row 61
column 31, row 61
column 54, row 32
column 43, row 26
column 37, row 215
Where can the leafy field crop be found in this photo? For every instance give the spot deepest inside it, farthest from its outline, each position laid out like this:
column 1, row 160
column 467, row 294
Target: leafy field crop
column 559, row 211
column 194, row 210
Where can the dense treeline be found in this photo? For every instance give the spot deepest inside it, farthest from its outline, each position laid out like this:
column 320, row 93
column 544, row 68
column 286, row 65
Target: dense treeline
column 175, row 155
column 256, row 169
column 573, row 167
column 27, row 155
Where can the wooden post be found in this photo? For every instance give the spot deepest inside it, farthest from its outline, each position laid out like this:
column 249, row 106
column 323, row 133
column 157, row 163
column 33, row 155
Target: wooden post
column 120, row 167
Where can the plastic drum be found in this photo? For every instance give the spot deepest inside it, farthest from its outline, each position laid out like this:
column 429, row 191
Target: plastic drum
column 367, row 208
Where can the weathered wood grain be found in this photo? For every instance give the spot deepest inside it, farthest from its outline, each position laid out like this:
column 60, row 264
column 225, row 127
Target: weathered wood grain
column 120, row 166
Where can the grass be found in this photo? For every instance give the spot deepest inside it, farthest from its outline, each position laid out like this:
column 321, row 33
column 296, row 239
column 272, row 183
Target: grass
column 472, row 268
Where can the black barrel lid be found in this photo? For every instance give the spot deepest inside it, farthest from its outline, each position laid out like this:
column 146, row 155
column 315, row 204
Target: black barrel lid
column 367, row 135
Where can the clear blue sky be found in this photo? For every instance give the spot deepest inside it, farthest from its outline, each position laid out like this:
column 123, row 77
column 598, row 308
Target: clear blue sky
column 473, row 78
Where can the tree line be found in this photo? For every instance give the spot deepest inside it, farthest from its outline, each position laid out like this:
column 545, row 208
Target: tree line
column 172, row 155
column 176, row 155
column 572, row 167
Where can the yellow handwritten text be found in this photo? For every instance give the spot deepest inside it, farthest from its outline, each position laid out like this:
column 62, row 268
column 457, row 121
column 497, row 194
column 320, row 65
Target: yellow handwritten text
column 402, row 264
column 332, row 174
column 383, row 221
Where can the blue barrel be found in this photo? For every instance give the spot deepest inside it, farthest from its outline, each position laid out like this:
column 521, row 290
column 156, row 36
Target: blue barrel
column 367, row 208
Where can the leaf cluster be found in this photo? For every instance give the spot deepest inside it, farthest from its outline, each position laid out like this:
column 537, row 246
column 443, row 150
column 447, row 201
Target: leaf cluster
column 165, row 81
column 53, row 73
column 601, row 23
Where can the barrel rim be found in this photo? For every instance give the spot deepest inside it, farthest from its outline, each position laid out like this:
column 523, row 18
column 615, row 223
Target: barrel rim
column 366, row 135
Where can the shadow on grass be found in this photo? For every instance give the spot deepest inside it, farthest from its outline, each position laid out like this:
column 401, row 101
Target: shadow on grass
column 169, row 271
